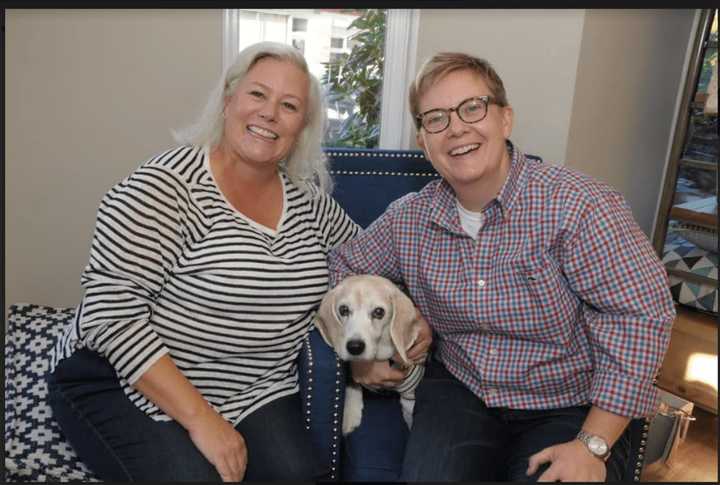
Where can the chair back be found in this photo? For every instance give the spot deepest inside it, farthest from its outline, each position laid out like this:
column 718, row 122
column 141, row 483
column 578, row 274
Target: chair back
column 367, row 181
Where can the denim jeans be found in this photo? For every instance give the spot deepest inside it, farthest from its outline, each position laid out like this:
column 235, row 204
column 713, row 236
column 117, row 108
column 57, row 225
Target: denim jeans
column 374, row 450
column 456, row 437
column 121, row 443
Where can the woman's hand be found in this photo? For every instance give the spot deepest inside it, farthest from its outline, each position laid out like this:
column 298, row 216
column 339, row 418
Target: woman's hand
column 221, row 444
column 217, row 440
column 569, row 462
column 418, row 351
column 376, row 373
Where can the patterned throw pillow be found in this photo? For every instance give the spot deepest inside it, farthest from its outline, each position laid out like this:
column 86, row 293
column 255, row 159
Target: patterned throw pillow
column 35, row 449
column 698, row 289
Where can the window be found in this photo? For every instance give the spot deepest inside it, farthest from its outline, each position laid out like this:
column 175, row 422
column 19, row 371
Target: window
column 299, row 25
column 686, row 231
column 333, row 42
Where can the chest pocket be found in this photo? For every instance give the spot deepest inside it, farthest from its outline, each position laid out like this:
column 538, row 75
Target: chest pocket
column 533, row 300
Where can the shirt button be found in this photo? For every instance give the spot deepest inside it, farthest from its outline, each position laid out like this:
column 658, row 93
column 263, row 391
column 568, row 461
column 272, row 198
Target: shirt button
column 481, row 283
column 491, row 391
column 493, row 351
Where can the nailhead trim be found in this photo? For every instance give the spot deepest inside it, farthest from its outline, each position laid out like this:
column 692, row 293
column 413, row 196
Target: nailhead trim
column 335, row 423
column 371, row 154
column 375, row 172
column 640, row 458
column 308, row 401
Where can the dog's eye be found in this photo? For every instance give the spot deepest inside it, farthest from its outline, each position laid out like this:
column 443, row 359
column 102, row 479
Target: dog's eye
column 343, row 310
column 378, row 313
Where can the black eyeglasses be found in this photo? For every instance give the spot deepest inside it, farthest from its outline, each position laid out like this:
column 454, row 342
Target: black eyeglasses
column 470, row 110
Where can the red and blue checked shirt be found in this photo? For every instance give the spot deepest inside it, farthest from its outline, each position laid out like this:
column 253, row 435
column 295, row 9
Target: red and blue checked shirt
column 561, row 300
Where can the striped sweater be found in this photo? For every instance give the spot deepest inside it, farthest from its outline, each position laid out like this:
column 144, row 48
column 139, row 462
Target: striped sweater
column 175, row 269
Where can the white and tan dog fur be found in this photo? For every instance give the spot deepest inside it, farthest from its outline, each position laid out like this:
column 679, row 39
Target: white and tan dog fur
column 366, row 317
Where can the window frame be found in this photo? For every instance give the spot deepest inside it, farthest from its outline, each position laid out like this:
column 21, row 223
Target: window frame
column 401, row 32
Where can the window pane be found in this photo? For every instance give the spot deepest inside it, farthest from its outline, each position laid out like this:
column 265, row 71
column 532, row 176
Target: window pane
column 694, row 183
column 257, row 26
column 345, row 50
column 709, row 66
column 299, row 25
column 702, row 136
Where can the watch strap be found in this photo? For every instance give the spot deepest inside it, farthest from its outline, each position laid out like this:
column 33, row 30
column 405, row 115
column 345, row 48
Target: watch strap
column 585, row 438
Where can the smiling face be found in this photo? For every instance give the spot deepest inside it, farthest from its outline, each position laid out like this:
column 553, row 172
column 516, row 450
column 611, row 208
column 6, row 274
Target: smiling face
column 266, row 113
column 470, row 156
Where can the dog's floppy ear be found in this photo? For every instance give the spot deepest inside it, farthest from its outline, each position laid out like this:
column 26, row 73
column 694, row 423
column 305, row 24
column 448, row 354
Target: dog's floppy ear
column 403, row 327
column 326, row 321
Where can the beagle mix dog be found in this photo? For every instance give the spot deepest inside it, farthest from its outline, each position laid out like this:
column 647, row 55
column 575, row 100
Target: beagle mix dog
column 366, row 317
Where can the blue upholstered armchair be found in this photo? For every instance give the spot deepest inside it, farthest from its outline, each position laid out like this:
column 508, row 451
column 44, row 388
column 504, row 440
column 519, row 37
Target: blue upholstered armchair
column 35, row 450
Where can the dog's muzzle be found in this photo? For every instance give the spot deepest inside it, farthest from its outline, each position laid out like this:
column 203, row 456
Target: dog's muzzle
column 355, row 347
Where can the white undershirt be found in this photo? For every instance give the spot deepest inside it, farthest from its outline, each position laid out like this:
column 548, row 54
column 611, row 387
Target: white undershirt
column 469, row 220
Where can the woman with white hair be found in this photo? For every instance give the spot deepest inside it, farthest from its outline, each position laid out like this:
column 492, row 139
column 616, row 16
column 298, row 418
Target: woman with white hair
column 206, row 267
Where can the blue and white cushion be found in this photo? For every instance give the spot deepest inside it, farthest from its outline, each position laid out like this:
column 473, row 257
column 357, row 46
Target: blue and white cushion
column 35, row 448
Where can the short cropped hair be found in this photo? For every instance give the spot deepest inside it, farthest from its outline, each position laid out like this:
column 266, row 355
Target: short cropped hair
column 306, row 163
column 443, row 63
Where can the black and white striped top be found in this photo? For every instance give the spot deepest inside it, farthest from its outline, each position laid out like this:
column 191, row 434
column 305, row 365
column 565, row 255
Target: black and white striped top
column 175, row 269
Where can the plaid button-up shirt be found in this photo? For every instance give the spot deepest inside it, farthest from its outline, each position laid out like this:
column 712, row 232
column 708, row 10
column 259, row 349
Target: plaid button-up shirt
column 560, row 301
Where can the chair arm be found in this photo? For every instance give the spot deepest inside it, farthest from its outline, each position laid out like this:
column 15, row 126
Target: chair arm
column 322, row 390
column 638, row 440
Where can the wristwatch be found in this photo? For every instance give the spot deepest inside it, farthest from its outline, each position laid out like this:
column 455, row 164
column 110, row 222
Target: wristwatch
column 595, row 445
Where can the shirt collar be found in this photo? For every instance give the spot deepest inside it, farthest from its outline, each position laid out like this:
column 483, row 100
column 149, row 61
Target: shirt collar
column 515, row 181
column 444, row 212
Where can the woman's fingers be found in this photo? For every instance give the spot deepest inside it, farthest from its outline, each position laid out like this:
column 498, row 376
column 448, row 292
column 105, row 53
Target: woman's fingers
column 418, row 351
column 221, row 444
column 376, row 373
column 231, row 467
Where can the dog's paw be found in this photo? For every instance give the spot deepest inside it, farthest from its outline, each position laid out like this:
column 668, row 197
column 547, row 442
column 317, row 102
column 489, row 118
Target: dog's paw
column 352, row 413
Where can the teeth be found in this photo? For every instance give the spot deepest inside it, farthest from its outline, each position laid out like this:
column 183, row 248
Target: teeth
column 262, row 132
column 464, row 149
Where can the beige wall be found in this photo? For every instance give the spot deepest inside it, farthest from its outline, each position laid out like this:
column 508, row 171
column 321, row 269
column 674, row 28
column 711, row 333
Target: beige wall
column 629, row 75
column 89, row 96
column 534, row 51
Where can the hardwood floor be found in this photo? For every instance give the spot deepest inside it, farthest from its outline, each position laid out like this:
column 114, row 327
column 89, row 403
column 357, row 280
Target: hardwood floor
column 697, row 456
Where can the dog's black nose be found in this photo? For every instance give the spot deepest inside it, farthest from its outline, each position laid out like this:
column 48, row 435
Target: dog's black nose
column 355, row 347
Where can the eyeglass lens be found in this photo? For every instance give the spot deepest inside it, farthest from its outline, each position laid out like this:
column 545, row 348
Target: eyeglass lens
column 471, row 110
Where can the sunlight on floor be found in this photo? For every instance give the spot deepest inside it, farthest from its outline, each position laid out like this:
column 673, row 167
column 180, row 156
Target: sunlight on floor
column 703, row 368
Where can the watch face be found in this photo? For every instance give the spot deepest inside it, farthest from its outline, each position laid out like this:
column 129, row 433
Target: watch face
column 597, row 445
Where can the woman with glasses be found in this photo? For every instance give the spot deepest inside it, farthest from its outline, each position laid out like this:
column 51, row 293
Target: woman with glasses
column 550, row 309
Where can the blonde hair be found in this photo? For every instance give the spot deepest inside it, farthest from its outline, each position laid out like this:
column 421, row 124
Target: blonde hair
column 443, row 63
column 306, row 163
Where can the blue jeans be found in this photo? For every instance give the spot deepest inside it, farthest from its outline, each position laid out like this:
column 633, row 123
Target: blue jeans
column 121, row 443
column 374, row 450
column 456, row 437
